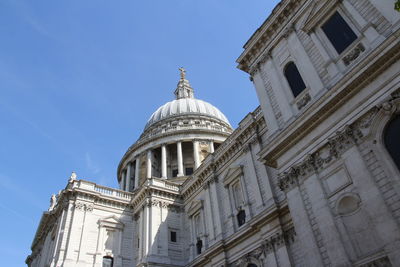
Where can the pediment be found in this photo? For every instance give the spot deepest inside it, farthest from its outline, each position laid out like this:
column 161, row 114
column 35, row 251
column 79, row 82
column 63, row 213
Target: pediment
column 195, row 206
column 317, row 11
column 111, row 222
column 232, row 174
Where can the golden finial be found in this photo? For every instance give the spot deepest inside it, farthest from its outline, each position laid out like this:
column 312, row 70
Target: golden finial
column 183, row 73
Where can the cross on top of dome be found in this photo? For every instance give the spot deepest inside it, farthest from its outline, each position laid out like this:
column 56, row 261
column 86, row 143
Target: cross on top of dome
column 183, row 89
column 183, row 73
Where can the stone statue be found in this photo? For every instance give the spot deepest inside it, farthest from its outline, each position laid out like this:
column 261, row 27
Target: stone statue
column 53, row 201
column 72, row 177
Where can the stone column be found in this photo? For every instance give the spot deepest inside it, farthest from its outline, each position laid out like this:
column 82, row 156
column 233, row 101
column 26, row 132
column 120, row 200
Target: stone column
column 148, row 163
column 193, row 237
column 180, row 160
column 196, row 154
column 123, row 180
column 211, row 146
column 164, row 161
column 128, row 176
column 304, row 230
column 209, row 211
column 137, row 172
column 216, row 203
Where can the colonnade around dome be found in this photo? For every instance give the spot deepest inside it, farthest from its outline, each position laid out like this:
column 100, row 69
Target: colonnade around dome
column 167, row 161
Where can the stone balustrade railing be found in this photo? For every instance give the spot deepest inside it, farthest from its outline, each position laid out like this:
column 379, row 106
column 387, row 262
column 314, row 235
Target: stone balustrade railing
column 103, row 190
column 163, row 184
column 162, row 130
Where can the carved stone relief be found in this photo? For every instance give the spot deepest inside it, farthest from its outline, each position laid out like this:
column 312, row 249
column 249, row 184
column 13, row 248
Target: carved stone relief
column 333, row 149
column 272, row 243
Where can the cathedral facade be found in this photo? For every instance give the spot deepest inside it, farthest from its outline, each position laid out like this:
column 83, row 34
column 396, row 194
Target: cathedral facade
column 309, row 178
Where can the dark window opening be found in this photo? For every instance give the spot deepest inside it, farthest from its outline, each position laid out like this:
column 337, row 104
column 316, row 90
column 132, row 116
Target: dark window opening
column 199, row 246
column 241, row 217
column 189, row 171
column 108, row 261
column 138, row 242
column 174, row 173
column 339, row 32
column 294, row 79
column 392, row 140
column 173, row 236
column 251, row 265
column 216, row 146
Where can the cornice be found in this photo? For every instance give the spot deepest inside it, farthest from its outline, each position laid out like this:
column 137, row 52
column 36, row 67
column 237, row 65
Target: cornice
column 186, row 117
column 166, row 197
column 83, row 200
column 269, row 33
column 368, row 69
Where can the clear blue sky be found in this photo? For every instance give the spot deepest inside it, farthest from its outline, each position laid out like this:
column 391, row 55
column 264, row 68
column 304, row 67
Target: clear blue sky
column 79, row 79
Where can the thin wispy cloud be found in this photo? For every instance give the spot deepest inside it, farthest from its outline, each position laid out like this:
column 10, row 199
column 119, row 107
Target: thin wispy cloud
column 27, row 14
column 17, row 214
column 91, row 165
column 20, row 116
column 20, row 191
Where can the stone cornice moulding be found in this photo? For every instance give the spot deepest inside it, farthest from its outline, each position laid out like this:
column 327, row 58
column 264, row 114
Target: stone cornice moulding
column 318, row 12
column 269, row 33
column 195, row 207
column 148, row 190
column 232, row 174
column 111, row 222
column 178, row 120
column 369, row 68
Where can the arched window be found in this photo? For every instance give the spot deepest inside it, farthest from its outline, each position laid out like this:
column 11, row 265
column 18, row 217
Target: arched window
column 108, row 261
column 294, row 79
column 392, row 140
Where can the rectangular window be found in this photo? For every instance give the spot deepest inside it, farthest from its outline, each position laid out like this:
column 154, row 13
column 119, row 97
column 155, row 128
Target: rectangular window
column 173, row 236
column 189, row 171
column 174, row 173
column 339, row 32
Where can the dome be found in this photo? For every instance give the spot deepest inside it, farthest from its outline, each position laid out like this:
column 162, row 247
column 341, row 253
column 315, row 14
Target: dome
column 178, row 136
column 189, row 106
